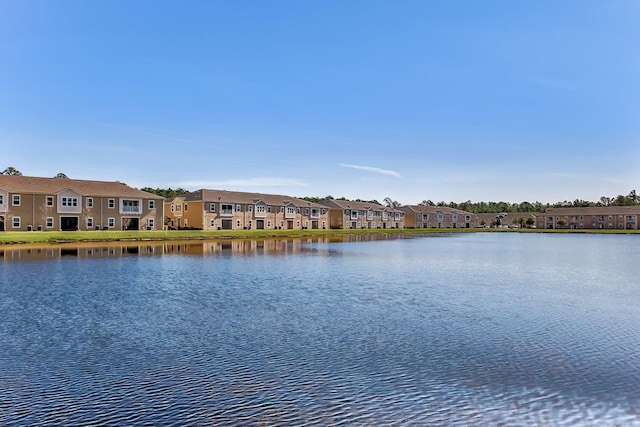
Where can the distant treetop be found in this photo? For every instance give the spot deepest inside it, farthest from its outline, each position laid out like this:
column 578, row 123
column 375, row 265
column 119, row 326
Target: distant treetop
column 11, row 171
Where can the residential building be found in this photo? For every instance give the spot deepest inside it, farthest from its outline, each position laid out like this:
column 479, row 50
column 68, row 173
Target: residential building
column 599, row 217
column 418, row 216
column 347, row 214
column 234, row 210
column 33, row 203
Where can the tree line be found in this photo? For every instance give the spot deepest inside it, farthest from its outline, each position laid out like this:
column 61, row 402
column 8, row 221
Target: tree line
column 631, row 199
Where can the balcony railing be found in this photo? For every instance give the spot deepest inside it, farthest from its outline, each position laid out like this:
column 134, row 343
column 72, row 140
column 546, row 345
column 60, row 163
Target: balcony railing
column 226, row 211
column 131, row 209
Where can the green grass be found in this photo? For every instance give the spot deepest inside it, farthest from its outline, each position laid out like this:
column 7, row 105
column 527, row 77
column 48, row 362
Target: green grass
column 26, row 237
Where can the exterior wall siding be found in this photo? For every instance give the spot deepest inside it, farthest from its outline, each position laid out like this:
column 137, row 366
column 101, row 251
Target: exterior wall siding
column 611, row 218
column 43, row 212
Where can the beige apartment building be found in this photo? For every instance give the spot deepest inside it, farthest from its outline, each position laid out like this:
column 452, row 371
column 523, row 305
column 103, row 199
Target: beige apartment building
column 417, row 216
column 601, row 217
column 47, row 204
column 234, row 210
column 347, row 214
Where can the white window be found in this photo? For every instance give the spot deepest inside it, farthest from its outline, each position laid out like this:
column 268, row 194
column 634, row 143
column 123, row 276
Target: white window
column 212, row 207
column 152, row 204
column 238, row 224
column 250, row 208
column 324, row 224
column 291, row 210
column 69, row 201
column 324, row 211
column 15, row 222
column 260, row 208
column 238, row 208
column 298, row 224
column 269, row 224
column 1, row 199
column 49, row 222
column 111, row 203
column 306, row 211
column 212, row 223
column 186, row 207
column 15, row 201
column 89, row 202
column 151, row 223
column 89, row 222
column 178, row 208
column 49, row 200
column 269, row 209
column 281, row 209
column 111, row 222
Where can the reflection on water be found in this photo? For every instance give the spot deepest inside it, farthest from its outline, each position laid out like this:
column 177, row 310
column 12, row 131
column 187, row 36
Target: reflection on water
column 464, row 330
column 208, row 247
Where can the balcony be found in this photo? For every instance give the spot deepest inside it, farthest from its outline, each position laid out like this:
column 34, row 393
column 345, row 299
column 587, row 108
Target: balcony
column 131, row 210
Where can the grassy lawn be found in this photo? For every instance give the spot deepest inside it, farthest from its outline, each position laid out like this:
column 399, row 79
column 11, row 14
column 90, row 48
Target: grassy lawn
column 12, row 237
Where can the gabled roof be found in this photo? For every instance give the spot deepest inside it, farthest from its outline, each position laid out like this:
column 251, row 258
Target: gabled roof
column 434, row 209
column 224, row 196
column 348, row 204
column 36, row 185
column 596, row 210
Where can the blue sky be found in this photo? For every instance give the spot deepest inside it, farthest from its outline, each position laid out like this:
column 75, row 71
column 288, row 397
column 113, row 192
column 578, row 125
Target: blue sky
column 413, row 100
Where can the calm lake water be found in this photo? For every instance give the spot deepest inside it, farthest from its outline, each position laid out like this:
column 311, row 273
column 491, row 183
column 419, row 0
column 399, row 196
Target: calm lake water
column 452, row 329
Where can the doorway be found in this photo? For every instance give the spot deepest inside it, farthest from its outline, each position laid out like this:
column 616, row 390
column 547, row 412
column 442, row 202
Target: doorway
column 130, row 223
column 68, row 223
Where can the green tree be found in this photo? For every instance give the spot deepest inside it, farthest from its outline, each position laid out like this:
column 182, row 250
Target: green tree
column 388, row 202
column 61, row 175
column 165, row 192
column 11, row 171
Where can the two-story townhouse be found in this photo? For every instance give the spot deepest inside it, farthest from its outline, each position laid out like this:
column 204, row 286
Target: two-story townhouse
column 597, row 218
column 418, row 216
column 347, row 214
column 174, row 211
column 35, row 203
column 235, row 210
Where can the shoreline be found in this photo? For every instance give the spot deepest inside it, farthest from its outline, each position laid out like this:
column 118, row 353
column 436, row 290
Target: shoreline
column 58, row 237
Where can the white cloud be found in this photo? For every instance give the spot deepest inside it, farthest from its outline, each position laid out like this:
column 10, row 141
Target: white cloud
column 615, row 180
column 251, row 182
column 372, row 169
column 565, row 175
